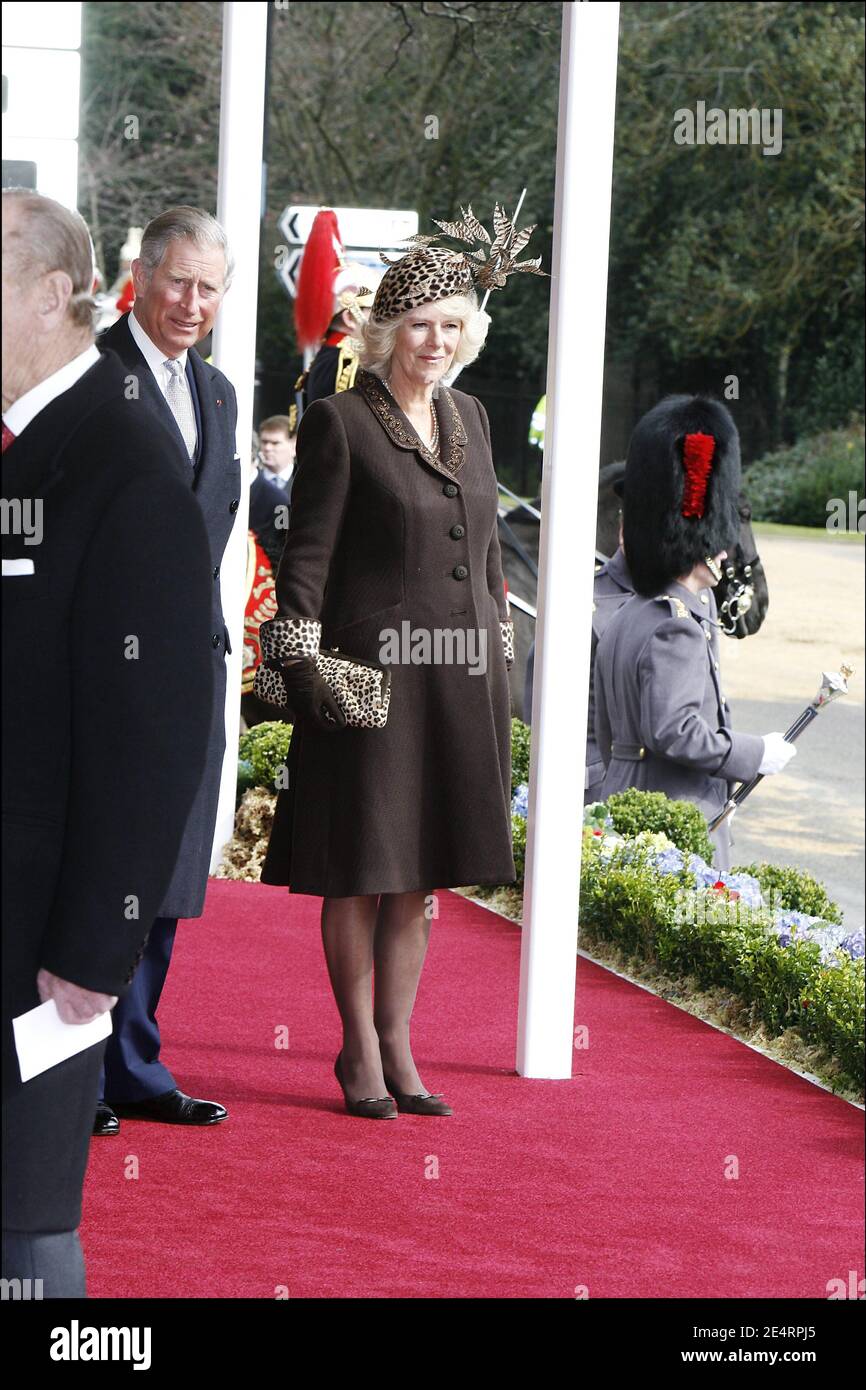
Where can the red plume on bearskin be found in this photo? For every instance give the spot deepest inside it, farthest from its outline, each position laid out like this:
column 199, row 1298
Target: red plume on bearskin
column 698, row 451
column 314, row 302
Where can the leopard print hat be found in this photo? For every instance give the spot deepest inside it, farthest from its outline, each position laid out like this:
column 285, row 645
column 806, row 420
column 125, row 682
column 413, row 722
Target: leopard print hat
column 423, row 276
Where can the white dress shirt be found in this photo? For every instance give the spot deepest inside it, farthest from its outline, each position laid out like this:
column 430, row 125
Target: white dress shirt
column 154, row 356
column 28, row 406
column 156, row 360
column 281, row 479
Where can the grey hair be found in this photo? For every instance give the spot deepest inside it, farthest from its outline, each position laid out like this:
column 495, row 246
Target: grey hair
column 377, row 339
column 53, row 237
column 183, row 224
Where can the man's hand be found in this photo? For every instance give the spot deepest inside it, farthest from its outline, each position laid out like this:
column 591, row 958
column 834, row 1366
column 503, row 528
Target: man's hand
column 73, row 1004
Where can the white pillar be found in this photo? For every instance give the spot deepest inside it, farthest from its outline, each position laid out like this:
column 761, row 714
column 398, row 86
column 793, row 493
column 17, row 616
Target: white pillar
column 239, row 207
column 584, row 159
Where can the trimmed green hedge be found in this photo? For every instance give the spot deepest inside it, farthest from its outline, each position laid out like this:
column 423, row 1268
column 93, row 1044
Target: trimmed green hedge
column 795, row 485
column 793, row 889
column 262, row 751
column 633, row 811
column 520, row 739
column 642, row 911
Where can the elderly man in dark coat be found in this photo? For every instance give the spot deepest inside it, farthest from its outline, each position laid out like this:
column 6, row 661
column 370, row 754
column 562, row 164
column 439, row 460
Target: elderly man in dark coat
column 662, row 722
column 106, row 704
column 180, row 277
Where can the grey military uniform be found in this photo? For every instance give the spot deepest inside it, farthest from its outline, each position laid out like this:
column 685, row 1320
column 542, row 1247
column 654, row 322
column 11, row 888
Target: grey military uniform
column 612, row 587
column 661, row 720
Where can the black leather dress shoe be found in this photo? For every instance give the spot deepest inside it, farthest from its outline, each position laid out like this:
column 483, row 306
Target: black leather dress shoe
column 174, row 1108
column 106, row 1122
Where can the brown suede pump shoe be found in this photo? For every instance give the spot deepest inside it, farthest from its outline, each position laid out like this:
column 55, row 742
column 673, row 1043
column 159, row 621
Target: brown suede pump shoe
column 373, row 1108
column 423, row 1104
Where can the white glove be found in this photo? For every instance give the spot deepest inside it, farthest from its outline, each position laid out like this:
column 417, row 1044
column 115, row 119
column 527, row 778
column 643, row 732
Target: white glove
column 777, row 754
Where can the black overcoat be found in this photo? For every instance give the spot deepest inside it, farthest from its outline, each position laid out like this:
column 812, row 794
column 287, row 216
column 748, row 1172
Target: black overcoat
column 215, row 484
column 386, row 538
column 107, row 699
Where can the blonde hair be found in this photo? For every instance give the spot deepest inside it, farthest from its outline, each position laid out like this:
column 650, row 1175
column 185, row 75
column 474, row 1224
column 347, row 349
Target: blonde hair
column 377, row 339
column 50, row 237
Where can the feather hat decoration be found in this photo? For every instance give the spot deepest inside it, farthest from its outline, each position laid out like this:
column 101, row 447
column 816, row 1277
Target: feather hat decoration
column 430, row 272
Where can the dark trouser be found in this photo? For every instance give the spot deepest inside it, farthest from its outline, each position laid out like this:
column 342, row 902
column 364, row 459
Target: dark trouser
column 45, row 1264
column 132, row 1069
column 47, row 1124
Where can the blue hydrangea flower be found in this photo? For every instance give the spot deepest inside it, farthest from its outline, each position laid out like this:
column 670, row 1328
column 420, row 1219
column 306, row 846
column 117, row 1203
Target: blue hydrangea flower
column 831, row 938
column 520, row 801
column 669, row 861
column 854, row 944
column 705, row 877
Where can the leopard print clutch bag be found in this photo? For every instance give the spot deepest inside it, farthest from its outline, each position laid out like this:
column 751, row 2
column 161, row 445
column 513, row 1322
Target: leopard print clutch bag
column 362, row 690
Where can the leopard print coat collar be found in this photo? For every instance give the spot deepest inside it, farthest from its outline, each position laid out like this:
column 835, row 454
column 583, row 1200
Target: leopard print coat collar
column 452, row 434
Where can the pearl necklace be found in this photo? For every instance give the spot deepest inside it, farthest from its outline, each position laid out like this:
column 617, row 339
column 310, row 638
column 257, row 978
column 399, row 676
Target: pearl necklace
column 433, row 446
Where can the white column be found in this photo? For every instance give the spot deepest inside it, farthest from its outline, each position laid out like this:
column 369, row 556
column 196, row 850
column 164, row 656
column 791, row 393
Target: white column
column 239, row 207
column 584, row 159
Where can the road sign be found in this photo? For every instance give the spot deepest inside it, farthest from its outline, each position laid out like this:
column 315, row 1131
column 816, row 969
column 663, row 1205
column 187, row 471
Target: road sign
column 359, row 227
column 363, row 231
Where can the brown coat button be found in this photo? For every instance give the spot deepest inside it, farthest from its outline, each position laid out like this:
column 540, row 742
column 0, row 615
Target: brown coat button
column 460, row 571
column 457, row 533
column 450, row 489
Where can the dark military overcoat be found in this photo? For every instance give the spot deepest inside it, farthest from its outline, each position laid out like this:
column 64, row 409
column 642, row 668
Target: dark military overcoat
column 661, row 720
column 611, row 588
column 387, row 539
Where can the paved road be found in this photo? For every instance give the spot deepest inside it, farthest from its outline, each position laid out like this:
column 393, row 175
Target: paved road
column 811, row 815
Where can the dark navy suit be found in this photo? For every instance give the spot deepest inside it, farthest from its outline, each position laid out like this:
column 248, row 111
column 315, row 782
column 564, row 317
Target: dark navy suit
column 133, row 1070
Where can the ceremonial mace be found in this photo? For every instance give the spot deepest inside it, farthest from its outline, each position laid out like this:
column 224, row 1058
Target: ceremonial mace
column 833, row 684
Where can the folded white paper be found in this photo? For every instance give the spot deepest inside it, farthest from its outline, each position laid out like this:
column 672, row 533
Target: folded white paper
column 42, row 1039
column 18, row 566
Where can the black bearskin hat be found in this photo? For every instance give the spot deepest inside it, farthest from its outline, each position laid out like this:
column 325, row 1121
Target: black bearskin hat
column 680, row 496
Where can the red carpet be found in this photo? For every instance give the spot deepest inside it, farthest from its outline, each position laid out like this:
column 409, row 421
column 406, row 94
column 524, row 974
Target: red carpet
column 614, row 1180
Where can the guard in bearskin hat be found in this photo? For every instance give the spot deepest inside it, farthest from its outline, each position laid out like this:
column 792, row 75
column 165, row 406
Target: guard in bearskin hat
column 662, row 722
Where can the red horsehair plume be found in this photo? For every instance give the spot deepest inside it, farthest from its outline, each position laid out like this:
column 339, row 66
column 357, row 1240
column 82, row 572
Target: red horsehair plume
column 314, row 301
column 698, row 451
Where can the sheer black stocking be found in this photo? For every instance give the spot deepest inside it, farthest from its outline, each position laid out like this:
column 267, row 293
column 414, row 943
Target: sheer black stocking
column 388, row 933
column 402, row 934
column 348, row 929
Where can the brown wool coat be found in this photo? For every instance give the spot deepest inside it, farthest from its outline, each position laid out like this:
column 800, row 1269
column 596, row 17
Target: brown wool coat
column 382, row 534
